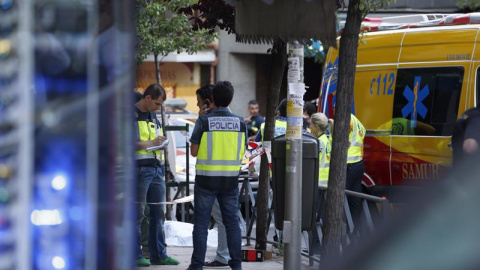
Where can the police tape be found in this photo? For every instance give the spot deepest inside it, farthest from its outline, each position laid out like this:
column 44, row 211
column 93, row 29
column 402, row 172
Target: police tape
column 181, row 200
column 268, row 150
column 253, row 149
column 256, row 150
column 251, row 162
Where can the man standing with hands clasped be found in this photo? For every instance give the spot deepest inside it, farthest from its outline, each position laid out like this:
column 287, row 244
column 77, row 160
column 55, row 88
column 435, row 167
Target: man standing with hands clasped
column 218, row 141
column 254, row 120
column 150, row 176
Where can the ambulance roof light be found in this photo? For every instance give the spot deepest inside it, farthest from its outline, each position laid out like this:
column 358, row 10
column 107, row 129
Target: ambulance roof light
column 373, row 24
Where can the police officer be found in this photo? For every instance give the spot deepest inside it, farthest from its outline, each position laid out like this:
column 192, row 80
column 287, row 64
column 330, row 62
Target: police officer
column 254, row 120
column 466, row 135
column 355, row 165
column 309, row 109
column 150, row 176
column 218, row 141
column 204, row 97
column 280, row 122
column 319, row 125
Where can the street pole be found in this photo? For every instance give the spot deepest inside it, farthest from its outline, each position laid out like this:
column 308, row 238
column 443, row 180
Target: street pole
column 292, row 225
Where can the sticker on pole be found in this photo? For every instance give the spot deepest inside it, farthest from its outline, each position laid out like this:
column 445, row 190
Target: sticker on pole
column 298, row 51
column 292, row 110
column 294, row 132
column 290, row 169
column 293, row 69
column 297, row 89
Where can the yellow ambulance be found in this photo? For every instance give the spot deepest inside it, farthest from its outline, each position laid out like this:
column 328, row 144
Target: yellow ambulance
column 411, row 84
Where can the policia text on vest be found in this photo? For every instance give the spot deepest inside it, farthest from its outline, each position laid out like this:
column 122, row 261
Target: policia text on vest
column 224, row 123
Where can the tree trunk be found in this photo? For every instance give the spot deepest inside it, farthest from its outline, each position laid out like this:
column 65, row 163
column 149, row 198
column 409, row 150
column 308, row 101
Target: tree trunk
column 168, row 175
column 278, row 67
column 157, row 69
column 343, row 108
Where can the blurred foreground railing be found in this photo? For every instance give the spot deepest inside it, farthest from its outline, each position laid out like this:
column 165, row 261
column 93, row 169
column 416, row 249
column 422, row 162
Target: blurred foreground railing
column 374, row 210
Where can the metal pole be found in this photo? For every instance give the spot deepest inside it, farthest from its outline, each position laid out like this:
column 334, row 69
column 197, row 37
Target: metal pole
column 292, row 225
column 20, row 187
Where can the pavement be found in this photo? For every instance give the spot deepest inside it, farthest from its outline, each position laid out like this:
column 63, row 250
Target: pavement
column 183, row 254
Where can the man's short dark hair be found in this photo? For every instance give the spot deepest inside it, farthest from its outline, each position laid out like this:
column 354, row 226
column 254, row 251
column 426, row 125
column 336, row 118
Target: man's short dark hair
column 282, row 108
column 222, row 93
column 310, row 108
column 137, row 96
column 155, row 91
column 205, row 91
column 253, row 102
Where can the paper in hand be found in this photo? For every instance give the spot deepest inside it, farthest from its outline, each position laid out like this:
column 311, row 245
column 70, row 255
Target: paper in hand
column 157, row 147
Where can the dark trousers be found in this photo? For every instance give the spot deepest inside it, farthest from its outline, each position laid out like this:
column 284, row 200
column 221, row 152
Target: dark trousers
column 354, row 183
column 228, row 202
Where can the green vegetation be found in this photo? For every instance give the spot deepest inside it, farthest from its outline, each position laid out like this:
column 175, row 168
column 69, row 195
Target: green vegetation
column 162, row 29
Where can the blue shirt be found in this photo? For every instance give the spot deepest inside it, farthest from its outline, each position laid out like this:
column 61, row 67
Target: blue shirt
column 254, row 126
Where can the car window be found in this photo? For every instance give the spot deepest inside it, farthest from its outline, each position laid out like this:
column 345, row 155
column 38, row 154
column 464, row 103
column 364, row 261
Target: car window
column 180, row 139
column 181, row 136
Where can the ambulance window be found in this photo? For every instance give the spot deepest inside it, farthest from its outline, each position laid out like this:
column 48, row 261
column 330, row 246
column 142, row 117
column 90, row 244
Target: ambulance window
column 426, row 101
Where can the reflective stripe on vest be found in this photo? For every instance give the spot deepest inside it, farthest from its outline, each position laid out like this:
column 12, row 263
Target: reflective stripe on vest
column 356, row 136
column 148, row 131
column 280, row 128
column 324, row 159
column 220, row 153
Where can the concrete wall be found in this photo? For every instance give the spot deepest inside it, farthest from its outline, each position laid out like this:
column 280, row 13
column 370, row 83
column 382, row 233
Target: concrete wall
column 242, row 76
column 237, row 64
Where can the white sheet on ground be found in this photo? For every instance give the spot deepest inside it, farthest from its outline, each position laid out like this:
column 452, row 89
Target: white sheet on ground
column 180, row 234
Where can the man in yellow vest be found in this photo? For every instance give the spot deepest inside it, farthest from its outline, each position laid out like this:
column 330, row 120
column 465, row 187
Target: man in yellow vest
column 150, row 176
column 280, row 122
column 355, row 165
column 218, row 141
column 204, row 97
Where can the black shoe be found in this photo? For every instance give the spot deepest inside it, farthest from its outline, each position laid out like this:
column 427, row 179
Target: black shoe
column 215, row 264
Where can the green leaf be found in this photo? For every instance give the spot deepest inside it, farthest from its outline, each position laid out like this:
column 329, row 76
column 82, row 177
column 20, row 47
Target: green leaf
column 162, row 30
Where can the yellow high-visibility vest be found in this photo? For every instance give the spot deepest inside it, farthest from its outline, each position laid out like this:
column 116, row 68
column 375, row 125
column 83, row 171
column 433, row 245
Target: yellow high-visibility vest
column 325, row 148
column 280, row 128
column 356, row 136
column 222, row 146
column 149, row 130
